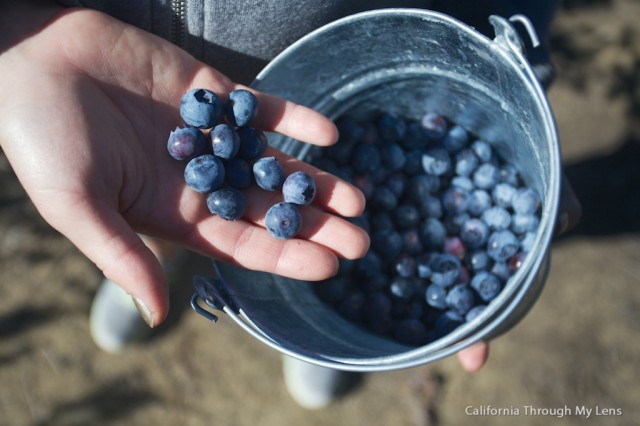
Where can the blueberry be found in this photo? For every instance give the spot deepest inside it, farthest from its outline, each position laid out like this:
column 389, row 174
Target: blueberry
column 422, row 186
column 445, row 269
column 483, row 150
column 486, row 176
column 460, row 299
column 383, row 199
column 201, row 108
column 387, row 243
column 478, row 260
column 474, row 312
column 411, row 242
column 364, row 183
column 526, row 201
column 509, row 174
column 474, row 233
column 436, row 161
column 413, row 163
column 391, row 128
column 453, row 222
column 415, row 137
column 502, row 194
column 341, row 151
column 447, row 322
column 523, row 223
column 436, row 296
column 466, row 162
column 241, row 107
column 423, row 266
column 456, row 139
column 479, row 202
column 283, row 221
column 204, row 173
column 299, row 188
column 430, row 206
column 228, row 203
column 455, row 246
column 365, row 157
column 434, row 125
column 350, row 131
column 397, row 184
column 411, row 332
column 500, row 269
column 502, row 245
column 515, row 262
column 486, row 285
column 432, row 233
column 405, row 265
column 393, row 157
column 463, row 182
column 238, row 173
column 382, row 220
column 497, row 218
column 253, row 143
column 455, row 200
column 225, row 141
column 268, row 173
column 368, row 267
column 402, row 288
column 526, row 243
column 185, row 143
column 406, row 216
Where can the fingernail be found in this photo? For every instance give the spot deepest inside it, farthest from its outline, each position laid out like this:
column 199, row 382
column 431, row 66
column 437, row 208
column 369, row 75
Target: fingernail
column 144, row 312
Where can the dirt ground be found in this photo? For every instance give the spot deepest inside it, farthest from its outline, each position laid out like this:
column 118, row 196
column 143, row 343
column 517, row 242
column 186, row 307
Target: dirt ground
column 578, row 349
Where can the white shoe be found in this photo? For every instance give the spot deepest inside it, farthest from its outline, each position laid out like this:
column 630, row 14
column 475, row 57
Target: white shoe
column 114, row 321
column 314, row 387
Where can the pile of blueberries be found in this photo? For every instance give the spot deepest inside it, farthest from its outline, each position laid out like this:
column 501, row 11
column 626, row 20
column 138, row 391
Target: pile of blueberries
column 226, row 156
column 450, row 222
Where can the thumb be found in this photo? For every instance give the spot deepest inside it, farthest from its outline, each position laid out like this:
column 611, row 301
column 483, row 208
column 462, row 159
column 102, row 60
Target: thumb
column 103, row 235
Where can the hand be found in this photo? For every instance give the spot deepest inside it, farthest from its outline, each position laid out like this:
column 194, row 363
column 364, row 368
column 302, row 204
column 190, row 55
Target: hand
column 87, row 105
column 475, row 356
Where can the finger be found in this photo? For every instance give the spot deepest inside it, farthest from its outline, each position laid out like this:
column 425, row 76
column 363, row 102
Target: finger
column 104, row 237
column 294, row 120
column 473, row 358
column 332, row 193
column 246, row 245
column 274, row 113
column 336, row 234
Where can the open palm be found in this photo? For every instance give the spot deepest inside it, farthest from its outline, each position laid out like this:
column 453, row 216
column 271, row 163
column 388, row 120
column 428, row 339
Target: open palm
column 86, row 111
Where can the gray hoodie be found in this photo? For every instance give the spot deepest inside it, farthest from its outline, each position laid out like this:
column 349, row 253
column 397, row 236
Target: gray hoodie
column 239, row 37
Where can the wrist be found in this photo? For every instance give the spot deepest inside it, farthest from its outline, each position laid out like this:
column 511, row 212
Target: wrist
column 21, row 19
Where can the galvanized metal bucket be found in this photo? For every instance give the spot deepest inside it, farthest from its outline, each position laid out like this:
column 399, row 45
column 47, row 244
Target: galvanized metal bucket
column 360, row 65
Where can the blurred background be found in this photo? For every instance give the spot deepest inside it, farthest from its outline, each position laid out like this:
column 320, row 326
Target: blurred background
column 579, row 346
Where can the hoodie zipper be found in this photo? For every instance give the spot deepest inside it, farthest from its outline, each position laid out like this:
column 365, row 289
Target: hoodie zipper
column 178, row 15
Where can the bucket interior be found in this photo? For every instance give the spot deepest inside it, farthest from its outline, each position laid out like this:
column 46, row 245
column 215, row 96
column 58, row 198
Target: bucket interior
column 448, row 69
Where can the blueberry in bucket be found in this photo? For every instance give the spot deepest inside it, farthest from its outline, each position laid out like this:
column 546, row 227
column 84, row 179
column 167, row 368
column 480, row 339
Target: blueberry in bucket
column 450, row 222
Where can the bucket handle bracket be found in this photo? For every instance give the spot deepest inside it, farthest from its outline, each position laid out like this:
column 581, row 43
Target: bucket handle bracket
column 212, row 293
column 508, row 37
